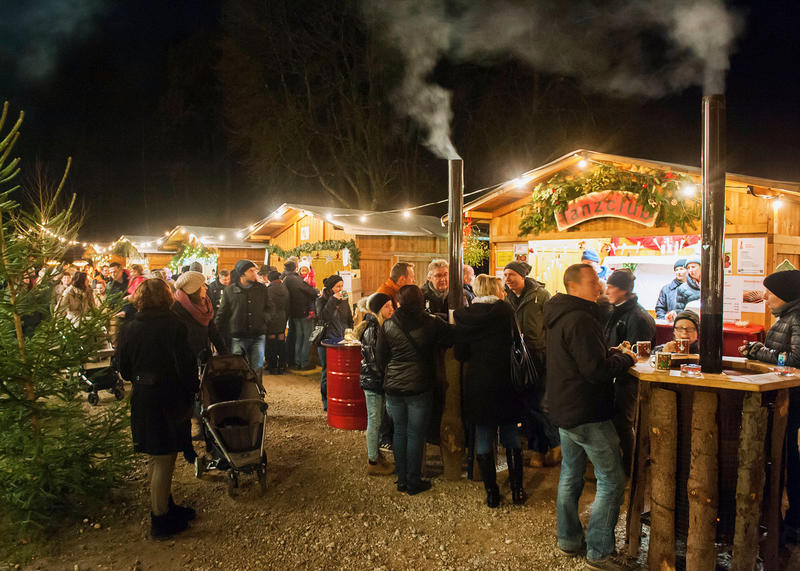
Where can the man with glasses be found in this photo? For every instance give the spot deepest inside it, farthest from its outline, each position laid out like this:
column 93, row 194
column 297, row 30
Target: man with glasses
column 686, row 326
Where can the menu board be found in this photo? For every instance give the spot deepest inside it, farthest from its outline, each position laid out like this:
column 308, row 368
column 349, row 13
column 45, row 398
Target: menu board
column 521, row 252
column 503, row 257
column 750, row 256
column 732, row 299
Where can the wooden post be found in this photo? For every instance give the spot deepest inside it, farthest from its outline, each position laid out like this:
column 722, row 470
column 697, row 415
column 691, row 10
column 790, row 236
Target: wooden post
column 664, row 451
column 750, row 483
column 780, row 416
column 702, row 486
column 451, row 429
column 641, row 458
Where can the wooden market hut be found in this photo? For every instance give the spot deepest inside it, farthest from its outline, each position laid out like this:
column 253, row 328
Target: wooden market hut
column 375, row 241
column 228, row 243
column 149, row 250
column 762, row 217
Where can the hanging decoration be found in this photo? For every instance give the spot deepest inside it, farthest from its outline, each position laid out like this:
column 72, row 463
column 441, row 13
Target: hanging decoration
column 191, row 252
column 476, row 251
column 650, row 194
column 317, row 247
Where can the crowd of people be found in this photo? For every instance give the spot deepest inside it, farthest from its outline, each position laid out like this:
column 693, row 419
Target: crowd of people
column 579, row 342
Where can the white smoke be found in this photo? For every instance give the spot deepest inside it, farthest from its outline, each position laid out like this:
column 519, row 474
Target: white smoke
column 626, row 47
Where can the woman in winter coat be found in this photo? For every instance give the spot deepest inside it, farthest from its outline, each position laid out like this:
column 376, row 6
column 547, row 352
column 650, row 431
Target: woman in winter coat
column 278, row 296
column 195, row 311
column 333, row 313
column 371, row 379
column 407, row 352
column 153, row 353
column 137, row 277
column 783, row 299
column 78, row 298
column 488, row 398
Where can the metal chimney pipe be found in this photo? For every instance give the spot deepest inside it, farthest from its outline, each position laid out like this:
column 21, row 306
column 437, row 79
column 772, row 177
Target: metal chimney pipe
column 713, row 238
column 455, row 297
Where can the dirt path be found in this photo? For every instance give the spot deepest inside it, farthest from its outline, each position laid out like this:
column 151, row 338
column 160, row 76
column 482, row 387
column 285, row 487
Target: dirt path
column 321, row 511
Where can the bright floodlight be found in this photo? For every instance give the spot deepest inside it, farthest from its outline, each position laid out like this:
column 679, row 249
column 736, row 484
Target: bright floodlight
column 406, row 214
column 362, row 218
column 239, row 234
column 777, row 203
column 221, row 237
column 583, row 163
column 688, row 189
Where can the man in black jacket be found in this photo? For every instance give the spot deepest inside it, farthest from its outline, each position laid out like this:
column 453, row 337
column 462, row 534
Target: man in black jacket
column 301, row 302
column 580, row 394
column 629, row 322
column 216, row 288
column 244, row 312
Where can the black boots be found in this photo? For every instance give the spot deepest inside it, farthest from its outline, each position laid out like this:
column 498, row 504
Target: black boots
column 180, row 512
column 514, row 458
column 165, row 526
column 489, row 475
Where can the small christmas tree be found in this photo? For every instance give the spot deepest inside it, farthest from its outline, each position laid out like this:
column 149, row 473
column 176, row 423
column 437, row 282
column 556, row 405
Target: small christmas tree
column 56, row 455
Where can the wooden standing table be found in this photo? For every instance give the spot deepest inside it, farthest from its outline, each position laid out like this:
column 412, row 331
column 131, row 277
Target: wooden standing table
column 711, row 450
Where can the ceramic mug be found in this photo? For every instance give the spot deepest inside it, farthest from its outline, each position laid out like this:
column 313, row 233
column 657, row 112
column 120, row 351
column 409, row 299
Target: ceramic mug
column 682, row 346
column 663, row 361
column 642, row 350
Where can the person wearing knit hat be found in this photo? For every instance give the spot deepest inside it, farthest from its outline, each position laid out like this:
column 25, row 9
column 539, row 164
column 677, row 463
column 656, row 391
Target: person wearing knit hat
column 243, row 314
column 334, row 315
column 689, row 291
column 301, row 316
column 275, row 351
column 371, row 380
column 196, row 267
column 193, row 307
column 527, row 297
column 190, row 282
column 782, row 297
column 668, row 297
column 591, row 257
column 629, row 322
column 686, row 326
column 262, row 274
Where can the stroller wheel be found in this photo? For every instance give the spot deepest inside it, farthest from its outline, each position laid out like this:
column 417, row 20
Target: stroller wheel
column 93, row 398
column 199, row 466
column 233, row 483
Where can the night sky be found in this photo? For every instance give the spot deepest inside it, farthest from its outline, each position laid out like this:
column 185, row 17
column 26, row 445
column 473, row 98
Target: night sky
column 132, row 90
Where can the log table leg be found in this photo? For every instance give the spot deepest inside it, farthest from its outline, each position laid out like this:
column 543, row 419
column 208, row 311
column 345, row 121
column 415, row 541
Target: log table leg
column 750, row 483
column 664, row 450
column 641, row 458
column 780, row 416
column 451, row 430
column 702, row 486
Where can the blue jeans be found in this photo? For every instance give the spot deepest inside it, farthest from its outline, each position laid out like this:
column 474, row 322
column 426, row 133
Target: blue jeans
column 303, row 326
column 322, row 353
column 375, row 403
column 484, row 437
column 253, row 347
column 598, row 441
column 411, row 415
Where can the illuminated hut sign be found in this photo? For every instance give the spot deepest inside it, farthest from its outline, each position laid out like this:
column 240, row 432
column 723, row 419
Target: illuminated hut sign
column 605, row 204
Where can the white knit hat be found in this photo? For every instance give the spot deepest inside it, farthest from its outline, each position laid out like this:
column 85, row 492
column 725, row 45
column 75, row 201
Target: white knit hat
column 190, row 282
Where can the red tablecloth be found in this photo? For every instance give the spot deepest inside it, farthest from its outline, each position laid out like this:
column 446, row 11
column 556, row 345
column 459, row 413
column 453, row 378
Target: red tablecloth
column 732, row 336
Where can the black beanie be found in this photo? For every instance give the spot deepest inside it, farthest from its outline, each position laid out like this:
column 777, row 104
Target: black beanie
column 785, row 285
column 690, row 315
column 242, row 266
column 331, row 281
column 623, row 279
column 273, row 275
column 377, row 301
column 522, row 268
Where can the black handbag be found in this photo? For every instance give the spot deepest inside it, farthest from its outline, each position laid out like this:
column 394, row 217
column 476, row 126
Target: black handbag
column 317, row 334
column 524, row 376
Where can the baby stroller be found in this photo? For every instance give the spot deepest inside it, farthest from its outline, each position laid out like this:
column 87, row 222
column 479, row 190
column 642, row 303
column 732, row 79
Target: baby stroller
column 99, row 374
column 233, row 420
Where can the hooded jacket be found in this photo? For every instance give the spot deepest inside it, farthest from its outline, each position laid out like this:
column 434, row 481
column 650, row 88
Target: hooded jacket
column 243, row 312
column 687, row 292
column 528, row 308
column 782, row 337
column 409, row 370
column 580, row 367
column 630, row 322
column 301, row 295
column 668, row 298
column 371, row 377
column 487, row 395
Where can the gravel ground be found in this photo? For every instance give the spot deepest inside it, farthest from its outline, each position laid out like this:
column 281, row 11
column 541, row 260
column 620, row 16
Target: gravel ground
column 321, row 511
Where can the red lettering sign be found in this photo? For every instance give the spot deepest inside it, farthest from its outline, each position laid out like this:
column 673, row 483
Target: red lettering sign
column 605, row 204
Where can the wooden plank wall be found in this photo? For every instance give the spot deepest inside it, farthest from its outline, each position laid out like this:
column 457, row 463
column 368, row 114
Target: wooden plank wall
column 380, row 253
column 158, row 261
column 229, row 256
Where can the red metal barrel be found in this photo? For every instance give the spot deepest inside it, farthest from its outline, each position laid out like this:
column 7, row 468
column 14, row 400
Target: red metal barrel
column 347, row 408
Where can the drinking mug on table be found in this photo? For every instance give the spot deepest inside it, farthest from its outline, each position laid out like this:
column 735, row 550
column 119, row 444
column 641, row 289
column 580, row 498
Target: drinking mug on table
column 682, row 346
column 642, row 350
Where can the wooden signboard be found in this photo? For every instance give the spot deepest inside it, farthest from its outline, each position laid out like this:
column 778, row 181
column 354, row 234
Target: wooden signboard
column 606, row 204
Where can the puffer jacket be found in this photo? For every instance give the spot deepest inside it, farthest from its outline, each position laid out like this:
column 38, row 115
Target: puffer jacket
column 334, row 314
column 371, row 378
column 243, row 312
column 782, row 337
column 630, row 322
column 279, row 308
column 406, row 370
column 529, row 308
column 668, row 298
column 301, row 295
column 687, row 292
column 580, row 368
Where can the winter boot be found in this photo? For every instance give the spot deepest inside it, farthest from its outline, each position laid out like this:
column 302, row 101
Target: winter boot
column 489, row 475
column 165, row 526
column 514, row 458
column 180, row 512
column 381, row 467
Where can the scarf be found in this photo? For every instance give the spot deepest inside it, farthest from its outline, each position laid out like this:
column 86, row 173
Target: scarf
column 202, row 313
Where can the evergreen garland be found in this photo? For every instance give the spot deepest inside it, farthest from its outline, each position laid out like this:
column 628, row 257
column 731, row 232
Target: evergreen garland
column 656, row 189
column 187, row 250
column 324, row 246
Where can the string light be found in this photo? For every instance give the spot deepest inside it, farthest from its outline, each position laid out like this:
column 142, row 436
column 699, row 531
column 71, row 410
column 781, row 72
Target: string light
column 406, row 214
column 777, row 203
column 362, row 218
column 688, row 189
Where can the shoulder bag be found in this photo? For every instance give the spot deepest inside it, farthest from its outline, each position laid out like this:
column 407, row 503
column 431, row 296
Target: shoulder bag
column 524, row 376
